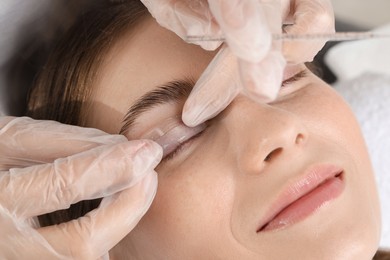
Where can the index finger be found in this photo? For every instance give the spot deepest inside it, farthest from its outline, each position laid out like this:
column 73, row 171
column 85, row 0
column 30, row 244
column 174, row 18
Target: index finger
column 26, row 142
column 215, row 89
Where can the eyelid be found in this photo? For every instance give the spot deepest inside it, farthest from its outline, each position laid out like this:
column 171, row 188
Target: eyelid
column 172, row 134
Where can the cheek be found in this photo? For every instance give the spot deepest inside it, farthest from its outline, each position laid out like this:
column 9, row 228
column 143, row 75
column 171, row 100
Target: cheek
column 329, row 119
column 192, row 205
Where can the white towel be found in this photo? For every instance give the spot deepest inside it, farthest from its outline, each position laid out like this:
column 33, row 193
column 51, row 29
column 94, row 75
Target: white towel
column 369, row 97
column 348, row 60
column 363, row 70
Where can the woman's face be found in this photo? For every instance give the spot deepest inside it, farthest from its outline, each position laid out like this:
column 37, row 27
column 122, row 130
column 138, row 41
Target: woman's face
column 286, row 180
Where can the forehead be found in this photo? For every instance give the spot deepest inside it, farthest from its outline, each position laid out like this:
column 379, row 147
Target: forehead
column 138, row 62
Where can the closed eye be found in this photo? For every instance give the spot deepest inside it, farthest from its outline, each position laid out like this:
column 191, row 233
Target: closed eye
column 179, row 148
column 294, row 78
column 174, row 140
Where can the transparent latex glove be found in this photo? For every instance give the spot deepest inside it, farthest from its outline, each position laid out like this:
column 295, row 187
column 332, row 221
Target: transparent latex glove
column 247, row 26
column 220, row 83
column 306, row 17
column 92, row 165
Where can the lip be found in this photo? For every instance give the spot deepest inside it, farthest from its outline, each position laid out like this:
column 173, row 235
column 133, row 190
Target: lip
column 301, row 198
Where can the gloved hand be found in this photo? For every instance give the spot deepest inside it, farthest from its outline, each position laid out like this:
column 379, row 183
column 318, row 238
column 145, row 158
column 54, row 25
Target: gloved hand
column 92, row 165
column 306, row 17
column 247, row 27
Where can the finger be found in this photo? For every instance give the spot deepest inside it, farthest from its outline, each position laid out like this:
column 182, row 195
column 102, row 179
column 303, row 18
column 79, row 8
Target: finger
column 186, row 18
column 245, row 26
column 309, row 17
column 93, row 235
column 262, row 80
column 196, row 19
column 214, row 91
column 89, row 175
column 25, row 142
column 4, row 120
column 20, row 241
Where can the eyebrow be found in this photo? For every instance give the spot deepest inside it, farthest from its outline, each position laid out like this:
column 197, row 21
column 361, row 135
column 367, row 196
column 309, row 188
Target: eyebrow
column 173, row 91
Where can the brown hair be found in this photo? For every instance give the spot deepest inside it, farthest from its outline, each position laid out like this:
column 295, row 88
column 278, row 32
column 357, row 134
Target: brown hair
column 382, row 255
column 64, row 84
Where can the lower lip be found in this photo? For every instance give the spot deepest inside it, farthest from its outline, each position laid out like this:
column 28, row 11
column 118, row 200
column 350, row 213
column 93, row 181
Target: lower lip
column 307, row 204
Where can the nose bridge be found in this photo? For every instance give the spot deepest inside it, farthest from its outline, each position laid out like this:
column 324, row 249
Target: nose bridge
column 263, row 134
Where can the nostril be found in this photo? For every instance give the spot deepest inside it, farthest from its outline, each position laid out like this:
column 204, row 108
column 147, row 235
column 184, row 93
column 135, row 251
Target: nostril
column 299, row 139
column 272, row 154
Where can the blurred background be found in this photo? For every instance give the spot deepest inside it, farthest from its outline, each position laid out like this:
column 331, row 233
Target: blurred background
column 364, row 14
column 353, row 15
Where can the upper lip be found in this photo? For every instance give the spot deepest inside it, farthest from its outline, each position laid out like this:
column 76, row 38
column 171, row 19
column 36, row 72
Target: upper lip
column 310, row 180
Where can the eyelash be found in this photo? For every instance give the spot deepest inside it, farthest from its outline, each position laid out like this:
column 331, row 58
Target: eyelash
column 295, row 78
column 180, row 147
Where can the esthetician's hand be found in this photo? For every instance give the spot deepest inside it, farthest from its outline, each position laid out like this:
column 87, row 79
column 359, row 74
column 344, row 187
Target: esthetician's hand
column 92, row 165
column 247, row 27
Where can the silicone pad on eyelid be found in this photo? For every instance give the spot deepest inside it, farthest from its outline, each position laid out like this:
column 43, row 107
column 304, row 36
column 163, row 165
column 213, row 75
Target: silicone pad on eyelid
column 174, row 137
column 162, row 128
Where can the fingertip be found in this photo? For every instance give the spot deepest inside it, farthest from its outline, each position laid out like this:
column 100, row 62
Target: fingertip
column 193, row 115
column 263, row 87
column 262, row 92
column 210, row 45
column 197, row 113
column 268, row 93
column 153, row 148
column 214, row 90
column 195, row 108
column 147, row 157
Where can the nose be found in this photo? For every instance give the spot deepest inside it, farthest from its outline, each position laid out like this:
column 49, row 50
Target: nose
column 261, row 135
